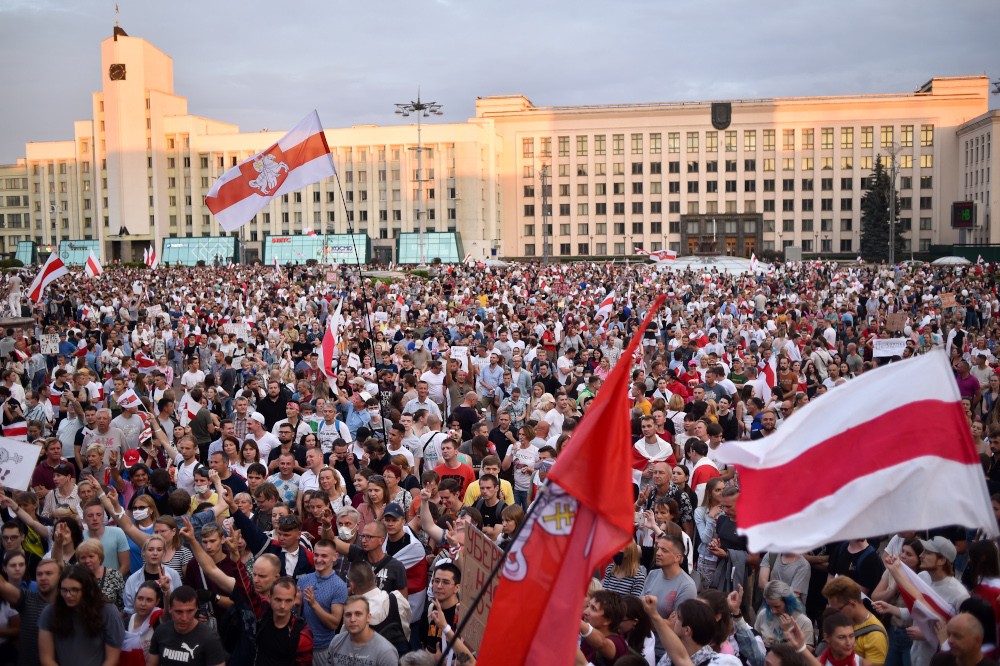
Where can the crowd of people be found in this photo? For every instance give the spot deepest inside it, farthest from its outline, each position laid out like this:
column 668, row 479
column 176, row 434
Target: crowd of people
column 207, row 492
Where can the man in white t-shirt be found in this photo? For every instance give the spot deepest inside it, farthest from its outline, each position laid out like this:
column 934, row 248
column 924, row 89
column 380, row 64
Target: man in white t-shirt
column 265, row 441
column 434, row 376
column 194, row 376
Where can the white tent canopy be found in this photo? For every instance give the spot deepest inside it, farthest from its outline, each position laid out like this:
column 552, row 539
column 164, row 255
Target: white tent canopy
column 950, row 261
column 720, row 263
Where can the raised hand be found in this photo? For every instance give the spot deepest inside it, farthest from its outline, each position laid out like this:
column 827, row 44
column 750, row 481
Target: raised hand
column 650, row 603
column 735, row 599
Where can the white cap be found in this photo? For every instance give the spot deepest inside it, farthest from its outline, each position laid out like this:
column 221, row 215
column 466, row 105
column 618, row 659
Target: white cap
column 258, row 417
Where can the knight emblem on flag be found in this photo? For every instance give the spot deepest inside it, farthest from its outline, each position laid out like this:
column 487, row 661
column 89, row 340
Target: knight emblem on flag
column 270, row 170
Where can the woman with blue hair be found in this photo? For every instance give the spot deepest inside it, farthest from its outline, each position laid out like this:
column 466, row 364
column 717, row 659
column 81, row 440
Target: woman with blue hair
column 780, row 599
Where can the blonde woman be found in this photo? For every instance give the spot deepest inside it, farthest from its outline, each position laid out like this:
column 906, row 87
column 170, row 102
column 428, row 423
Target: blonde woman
column 90, row 554
column 330, row 485
column 625, row 575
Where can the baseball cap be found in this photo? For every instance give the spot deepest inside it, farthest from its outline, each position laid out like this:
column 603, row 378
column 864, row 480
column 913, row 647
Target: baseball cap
column 258, row 417
column 365, row 395
column 393, row 509
column 417, row 344
column 941, row 546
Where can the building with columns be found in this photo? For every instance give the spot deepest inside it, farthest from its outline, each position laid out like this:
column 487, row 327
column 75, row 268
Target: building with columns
column 730, row 177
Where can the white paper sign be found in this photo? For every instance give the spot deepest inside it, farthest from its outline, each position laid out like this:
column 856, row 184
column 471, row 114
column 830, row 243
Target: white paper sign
column 239, row 330
column 154, row 311
column 49, row 343
column 885, row 347
column 17, row 463
column 461, row 354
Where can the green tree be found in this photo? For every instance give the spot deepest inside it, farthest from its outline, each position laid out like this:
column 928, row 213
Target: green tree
column 875, row 217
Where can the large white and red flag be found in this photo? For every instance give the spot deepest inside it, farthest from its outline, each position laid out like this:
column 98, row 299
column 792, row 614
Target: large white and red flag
column 581, row 520
column 52, row 270
column 150, row 257
column 604, row 309
column 299, row 158
column 753, row 262
column 145, row 364
column 93, row 266
column 657, row 255
column 889, row 451
column 328, row 347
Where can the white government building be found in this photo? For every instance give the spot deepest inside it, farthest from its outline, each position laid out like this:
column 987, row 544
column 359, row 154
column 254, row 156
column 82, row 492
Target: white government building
column 734, row 177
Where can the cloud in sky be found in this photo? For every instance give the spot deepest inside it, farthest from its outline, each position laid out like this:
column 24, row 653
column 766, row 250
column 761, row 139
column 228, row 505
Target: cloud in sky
column 263, row 64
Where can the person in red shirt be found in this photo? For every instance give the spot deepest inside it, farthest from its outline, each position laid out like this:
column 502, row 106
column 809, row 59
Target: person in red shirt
column 452, row 467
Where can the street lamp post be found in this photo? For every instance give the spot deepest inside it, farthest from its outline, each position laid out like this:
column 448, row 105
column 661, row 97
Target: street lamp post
column 546, row 246
column 422, row 110
column 893, row 168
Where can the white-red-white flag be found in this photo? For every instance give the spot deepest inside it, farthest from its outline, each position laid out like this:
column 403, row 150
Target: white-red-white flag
column 926, row 610
column 328, row 347
column 145, row 364
column 980, row 260
column 657, row 255
column 129, row 399
column 604, row 309
column 93, row 266
column 298, row 159
column 309, row 231
column 896, row 438
column 753, row 262
column 52, row 270
column 17, row 430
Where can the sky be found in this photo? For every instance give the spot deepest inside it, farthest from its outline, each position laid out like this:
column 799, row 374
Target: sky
column 266, row 64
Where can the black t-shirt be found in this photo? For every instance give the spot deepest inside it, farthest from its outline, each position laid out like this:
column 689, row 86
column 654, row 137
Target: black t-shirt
column 491, row 514
column 390, row 574
column 864, row 567
column 431, row 640
column 199, row 647
column 467, row 417
column 393, row 547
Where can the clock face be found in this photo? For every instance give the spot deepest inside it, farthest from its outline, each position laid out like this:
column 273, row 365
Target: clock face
column 116, row 72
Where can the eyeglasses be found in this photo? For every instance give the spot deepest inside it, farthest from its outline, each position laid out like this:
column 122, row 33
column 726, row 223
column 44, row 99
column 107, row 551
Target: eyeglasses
column 365, row 537
column 71, row 590
column 11, row 537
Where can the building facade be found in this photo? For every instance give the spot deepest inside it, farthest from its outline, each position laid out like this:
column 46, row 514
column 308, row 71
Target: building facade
column 586, row 180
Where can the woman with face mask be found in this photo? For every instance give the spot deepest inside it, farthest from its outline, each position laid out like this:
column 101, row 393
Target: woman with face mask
column 144, row 515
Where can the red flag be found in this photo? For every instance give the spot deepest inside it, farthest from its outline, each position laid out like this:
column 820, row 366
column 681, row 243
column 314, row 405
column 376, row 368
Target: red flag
column 299, row 158
column 853, row 435
column 52, row 270
column 583, row 518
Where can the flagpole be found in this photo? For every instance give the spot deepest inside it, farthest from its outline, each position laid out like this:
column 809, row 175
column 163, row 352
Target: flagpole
column 368, row 315
column 457, row 633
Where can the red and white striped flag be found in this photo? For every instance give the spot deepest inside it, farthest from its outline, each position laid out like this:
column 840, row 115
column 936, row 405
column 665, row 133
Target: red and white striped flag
column 770, row 371
column 604, row 309
column 309, row 231
column 88, row 312
column 93, row 266
column 129, row 399
column 145, row 364
column 753, row 262
column 52, row 270
column 927, row 610
column 299, row 158
column 328, row 347
column 980, row 260
column 151, row 258
column 17, row 430
column 895, row 438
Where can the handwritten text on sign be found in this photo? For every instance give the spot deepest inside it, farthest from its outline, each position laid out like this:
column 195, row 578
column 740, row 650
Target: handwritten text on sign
column 480, row 557
column 888, row 347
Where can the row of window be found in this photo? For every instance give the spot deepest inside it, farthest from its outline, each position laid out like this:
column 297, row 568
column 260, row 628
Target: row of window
column 674, row 187
column 846, row 246
column 977, row 149
column 695, row 227
column 867, row 163
column 730, row 138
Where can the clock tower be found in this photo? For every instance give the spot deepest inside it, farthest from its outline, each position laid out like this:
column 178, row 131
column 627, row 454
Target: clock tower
column 137, row 97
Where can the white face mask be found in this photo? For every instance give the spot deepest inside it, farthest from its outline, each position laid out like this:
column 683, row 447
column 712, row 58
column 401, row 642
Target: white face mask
column 200, row 489
column 345, row 533
column 140, row 514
